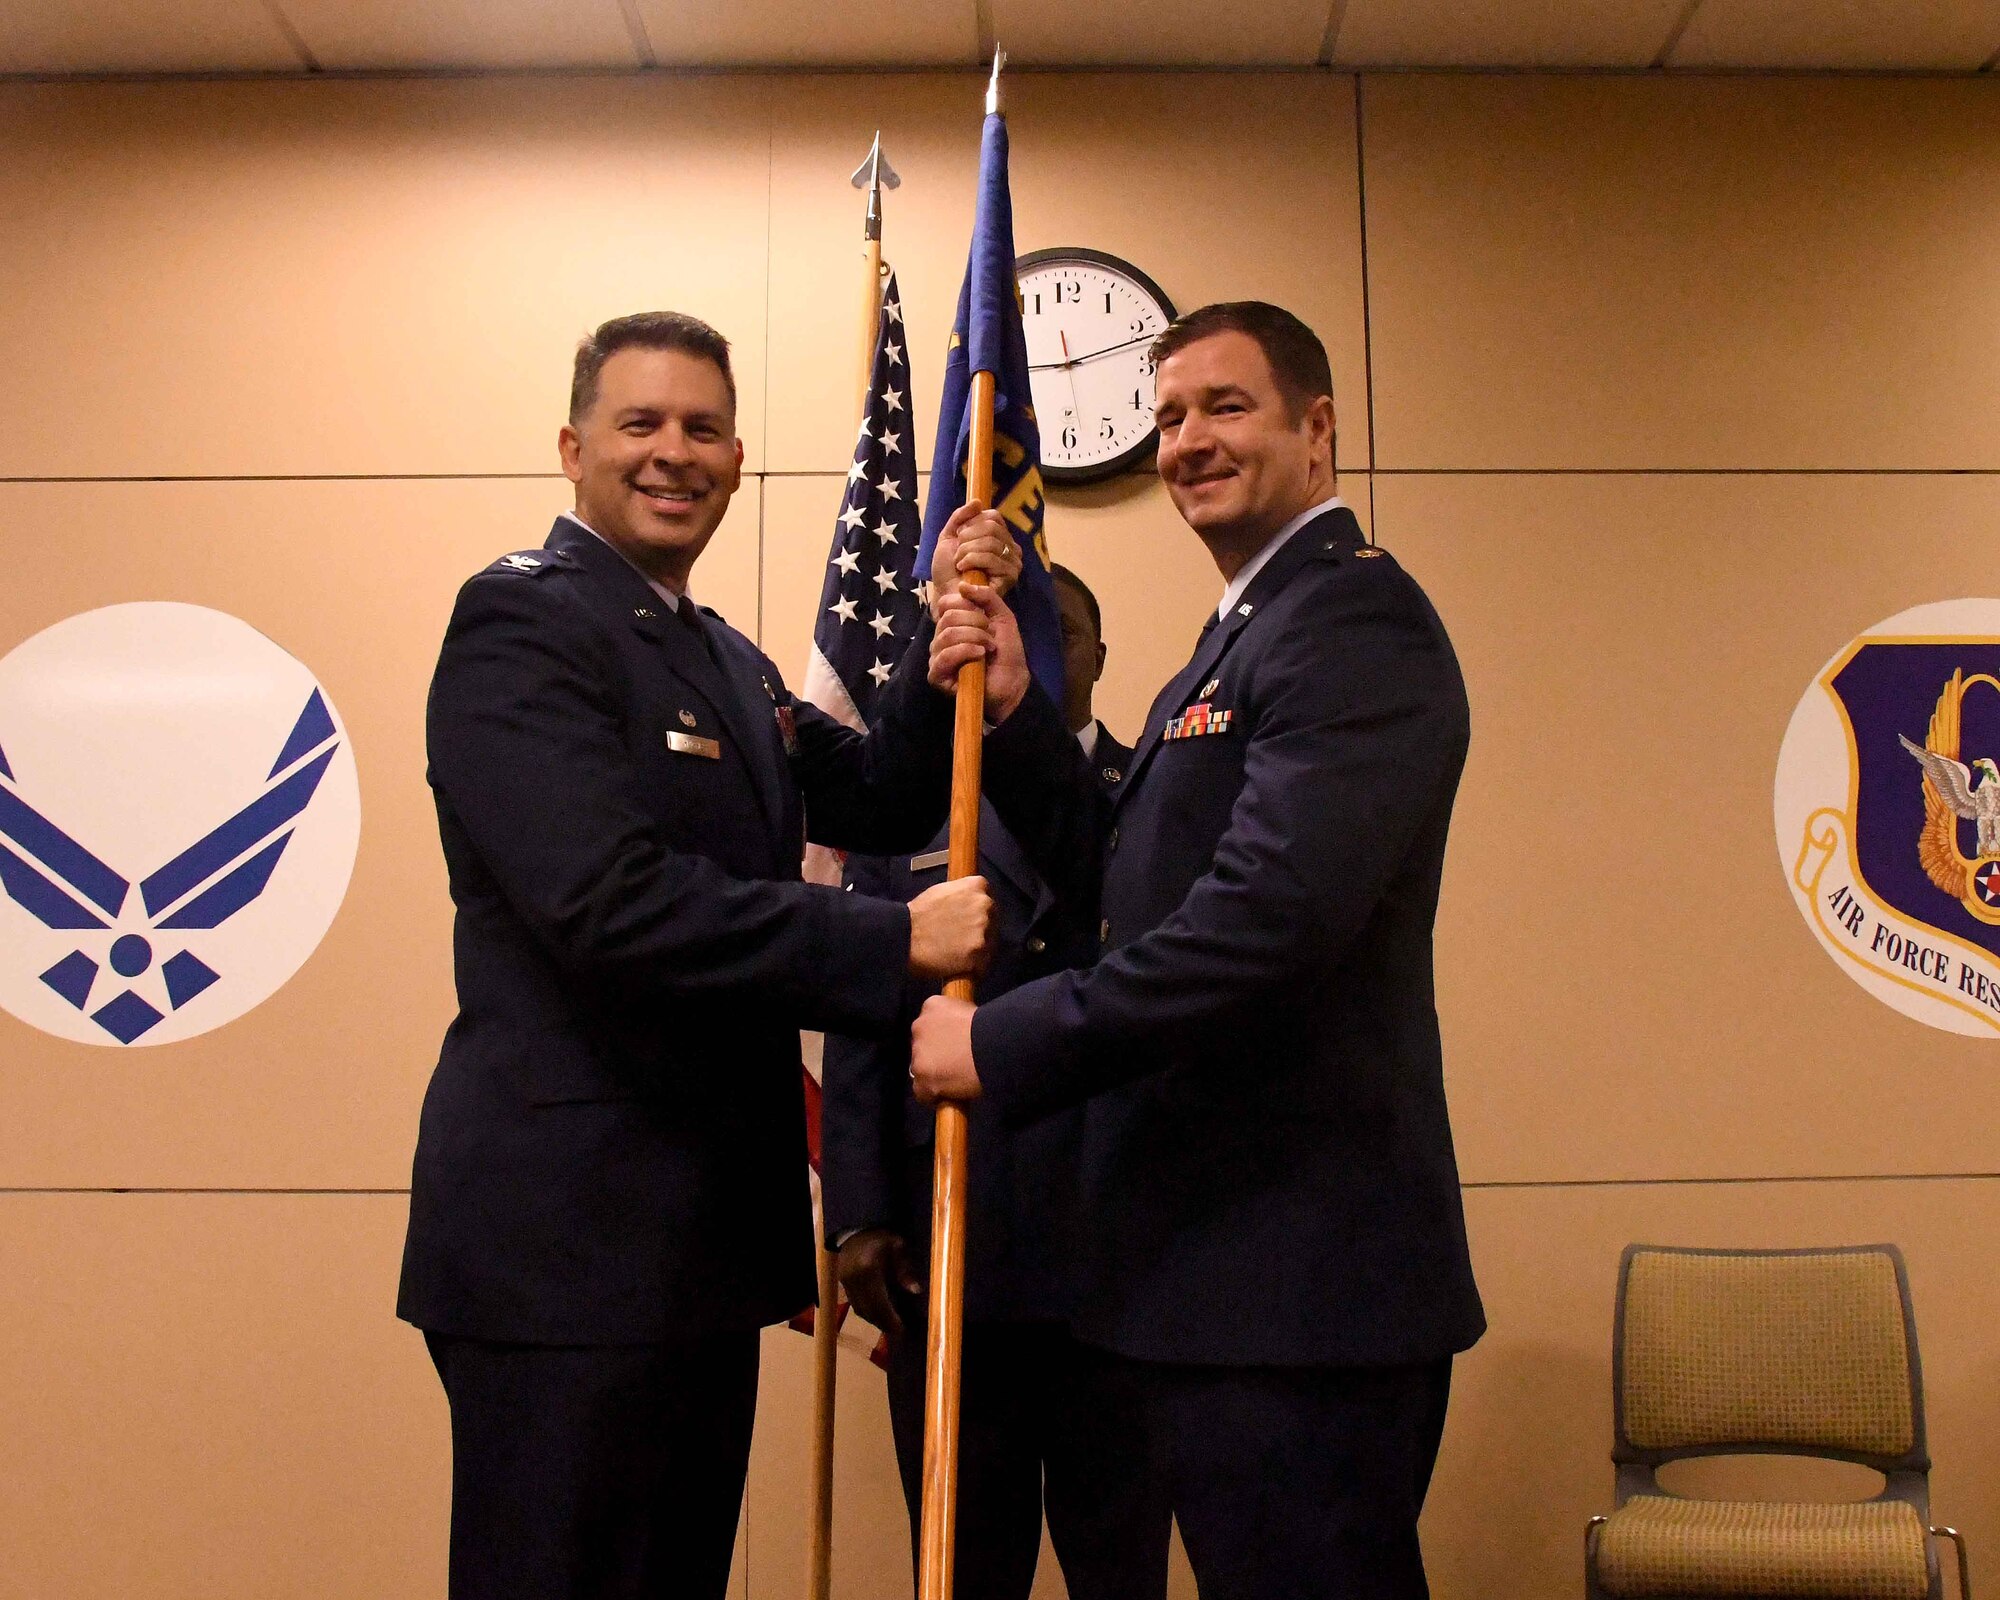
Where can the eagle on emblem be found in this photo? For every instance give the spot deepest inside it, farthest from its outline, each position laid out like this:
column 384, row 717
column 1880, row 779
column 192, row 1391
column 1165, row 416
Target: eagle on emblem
column 1955, row 791
column 1951, row 781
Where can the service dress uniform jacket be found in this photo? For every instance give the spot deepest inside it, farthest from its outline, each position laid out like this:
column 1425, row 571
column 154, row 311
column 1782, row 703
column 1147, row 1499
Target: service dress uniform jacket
column 612, row 1148
column 1267, row 1166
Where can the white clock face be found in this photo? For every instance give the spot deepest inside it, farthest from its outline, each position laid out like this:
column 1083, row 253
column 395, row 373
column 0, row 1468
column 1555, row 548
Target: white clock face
column 1088, row 328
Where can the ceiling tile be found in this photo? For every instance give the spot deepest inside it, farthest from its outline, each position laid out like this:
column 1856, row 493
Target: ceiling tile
column 1272, row 33
column 1504, row 33
column 1941, row 34
column 143, row 36
column 799, row 33
column 463, row 33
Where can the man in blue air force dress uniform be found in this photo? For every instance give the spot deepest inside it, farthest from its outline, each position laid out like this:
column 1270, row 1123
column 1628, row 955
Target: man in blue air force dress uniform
column 1026, row 1433
column 1275, row 1270
column 609, row 1196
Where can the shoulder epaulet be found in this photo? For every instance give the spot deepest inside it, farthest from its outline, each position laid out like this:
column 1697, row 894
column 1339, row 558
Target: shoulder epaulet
column 1338, row 550
column 530, row 563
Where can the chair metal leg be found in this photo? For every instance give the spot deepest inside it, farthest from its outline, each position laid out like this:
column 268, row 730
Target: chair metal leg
column 1964, row 1570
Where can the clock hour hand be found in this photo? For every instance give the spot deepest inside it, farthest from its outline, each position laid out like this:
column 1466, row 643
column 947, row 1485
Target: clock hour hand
column 1077, row 361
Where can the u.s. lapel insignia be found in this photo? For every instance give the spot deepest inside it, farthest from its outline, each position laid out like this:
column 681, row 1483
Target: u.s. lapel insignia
column 1196, row 721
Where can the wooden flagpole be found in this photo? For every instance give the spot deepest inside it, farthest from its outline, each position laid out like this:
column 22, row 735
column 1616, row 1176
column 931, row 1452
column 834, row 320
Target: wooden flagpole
column 939, row 1545
column 873, row 173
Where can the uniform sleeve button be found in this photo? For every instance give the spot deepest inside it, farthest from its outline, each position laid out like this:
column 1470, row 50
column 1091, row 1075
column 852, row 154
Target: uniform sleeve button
column 1037, row 945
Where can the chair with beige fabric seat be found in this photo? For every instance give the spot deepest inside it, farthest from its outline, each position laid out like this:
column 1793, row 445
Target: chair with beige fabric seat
column 1766, row 1352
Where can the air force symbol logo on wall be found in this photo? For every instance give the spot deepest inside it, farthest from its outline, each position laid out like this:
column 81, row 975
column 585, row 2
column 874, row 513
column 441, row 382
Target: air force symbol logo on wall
column 178, row 818
column 1888, row 812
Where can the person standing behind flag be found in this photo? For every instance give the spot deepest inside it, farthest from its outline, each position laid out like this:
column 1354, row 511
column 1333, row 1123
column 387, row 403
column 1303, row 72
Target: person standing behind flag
column 609, row 1197
column 1027, row 1429
column 1276, row 1273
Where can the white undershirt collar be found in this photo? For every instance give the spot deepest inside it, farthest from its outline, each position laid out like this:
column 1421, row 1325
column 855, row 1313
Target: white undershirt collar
column 1257, row 563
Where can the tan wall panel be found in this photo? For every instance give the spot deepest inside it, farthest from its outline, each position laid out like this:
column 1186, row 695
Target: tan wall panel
column 320, row 1084
column 1627, row 989
column 350, row 277
column 1526, row 1458
column 208, row 1398
column 1685, row 273
column 1096, row 161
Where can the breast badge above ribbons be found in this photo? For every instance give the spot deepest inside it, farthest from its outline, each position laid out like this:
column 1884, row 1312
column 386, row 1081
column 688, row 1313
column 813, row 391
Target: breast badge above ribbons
column 1887, row 806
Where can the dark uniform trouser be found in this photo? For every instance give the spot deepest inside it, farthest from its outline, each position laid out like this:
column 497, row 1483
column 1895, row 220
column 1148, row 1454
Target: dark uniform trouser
column 1287, row 1482
column 1028, row 1438
column 596, row 1472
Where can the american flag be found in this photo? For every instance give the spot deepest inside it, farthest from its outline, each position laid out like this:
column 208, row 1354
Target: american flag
column 868, row 612
column 868, row 605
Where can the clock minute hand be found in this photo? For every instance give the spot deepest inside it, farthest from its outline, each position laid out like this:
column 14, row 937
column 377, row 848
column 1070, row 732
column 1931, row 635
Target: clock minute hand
column 1069, row 371
column 1077, row 361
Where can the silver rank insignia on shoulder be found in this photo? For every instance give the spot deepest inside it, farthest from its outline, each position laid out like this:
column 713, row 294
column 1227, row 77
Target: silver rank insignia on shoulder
column 523, row 563
column 1367, row 550
column 691, row 744
column 687, row 719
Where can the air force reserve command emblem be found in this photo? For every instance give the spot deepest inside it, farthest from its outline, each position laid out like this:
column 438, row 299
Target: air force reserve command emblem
column 1888, row 812
column 178, row 819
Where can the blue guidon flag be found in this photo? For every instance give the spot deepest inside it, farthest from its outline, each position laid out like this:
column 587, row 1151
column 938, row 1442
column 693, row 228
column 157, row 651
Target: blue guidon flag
column 868, row 603
column 987, row 337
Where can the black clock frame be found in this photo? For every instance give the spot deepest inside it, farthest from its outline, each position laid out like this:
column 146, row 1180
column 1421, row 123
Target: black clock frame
column 1125, row 460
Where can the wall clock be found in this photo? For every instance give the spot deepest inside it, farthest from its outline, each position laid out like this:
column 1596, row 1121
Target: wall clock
column 1090, row 319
